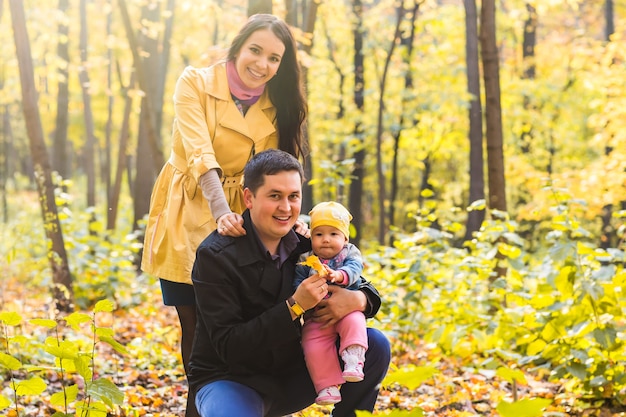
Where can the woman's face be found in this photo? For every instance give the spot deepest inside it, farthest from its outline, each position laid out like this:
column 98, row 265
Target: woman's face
column 259, row 58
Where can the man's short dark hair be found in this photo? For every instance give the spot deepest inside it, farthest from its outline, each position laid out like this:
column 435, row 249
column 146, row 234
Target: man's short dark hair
column 269, row 162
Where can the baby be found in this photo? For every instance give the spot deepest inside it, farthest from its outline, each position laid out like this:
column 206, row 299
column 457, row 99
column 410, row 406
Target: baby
column 330, row 229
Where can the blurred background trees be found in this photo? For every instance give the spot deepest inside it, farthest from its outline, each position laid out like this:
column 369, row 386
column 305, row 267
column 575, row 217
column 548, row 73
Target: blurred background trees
column 417, row 108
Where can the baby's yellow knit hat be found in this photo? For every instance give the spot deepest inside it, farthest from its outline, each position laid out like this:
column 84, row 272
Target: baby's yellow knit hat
column 331, row 214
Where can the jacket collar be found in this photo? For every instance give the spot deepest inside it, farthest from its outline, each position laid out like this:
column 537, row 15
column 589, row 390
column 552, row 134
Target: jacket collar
column 217, row 87
column 250, row 249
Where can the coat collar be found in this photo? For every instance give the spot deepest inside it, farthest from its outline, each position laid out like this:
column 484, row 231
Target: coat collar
column 250, row 249
column 216, row 85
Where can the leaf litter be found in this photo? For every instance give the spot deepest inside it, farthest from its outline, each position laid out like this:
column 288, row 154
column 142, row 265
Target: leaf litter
column 153, row 381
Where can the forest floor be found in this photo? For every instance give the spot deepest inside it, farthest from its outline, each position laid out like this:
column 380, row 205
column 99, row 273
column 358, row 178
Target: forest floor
column 152, row 377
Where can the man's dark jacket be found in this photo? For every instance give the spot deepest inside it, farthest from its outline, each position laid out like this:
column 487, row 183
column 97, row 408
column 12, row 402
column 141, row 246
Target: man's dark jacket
column 244, row 331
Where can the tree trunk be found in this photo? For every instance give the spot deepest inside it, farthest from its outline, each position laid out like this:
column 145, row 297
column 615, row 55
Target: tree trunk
column 291, row 12
column 476, row 161
column 5, row 168
column 308, row 28
column 108, row 129
column 609, row 15
column 114, row 194
column 356, row 186
column 259, row 6
column 83, row 76
column 153, row 151
column 608, row 231
column 145, row 172
column 382, row 193
column 529, row 42
column 493, row 110
column 60, row 160
column 528, row 59
column 493, row 117
column 341, row 148
column 57, row 256
column 406, row 40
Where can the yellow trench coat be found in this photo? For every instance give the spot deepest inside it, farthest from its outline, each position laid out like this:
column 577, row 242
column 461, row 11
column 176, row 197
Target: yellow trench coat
column 209, row 132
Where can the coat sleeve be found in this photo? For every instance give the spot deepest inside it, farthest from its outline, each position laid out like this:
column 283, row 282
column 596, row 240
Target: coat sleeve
column 373, row 298
column 190, row 101
column 301, row 274
column 353, row 265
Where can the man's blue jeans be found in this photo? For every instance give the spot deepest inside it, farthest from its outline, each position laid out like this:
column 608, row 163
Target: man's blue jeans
column 230, row 399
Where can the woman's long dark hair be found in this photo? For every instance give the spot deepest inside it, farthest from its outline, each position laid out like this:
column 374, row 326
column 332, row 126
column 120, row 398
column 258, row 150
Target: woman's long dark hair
column 285, row 88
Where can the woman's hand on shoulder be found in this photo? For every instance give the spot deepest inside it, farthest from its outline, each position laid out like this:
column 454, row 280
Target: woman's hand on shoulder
column 302, row 228
column 231, row 224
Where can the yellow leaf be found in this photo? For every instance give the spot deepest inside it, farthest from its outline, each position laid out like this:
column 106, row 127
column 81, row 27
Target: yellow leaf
column 10, row 318
column 315, row 263
column 32, row 386
column 523, row 408
column 4, row 402
column 68, row 395
column 511, row 375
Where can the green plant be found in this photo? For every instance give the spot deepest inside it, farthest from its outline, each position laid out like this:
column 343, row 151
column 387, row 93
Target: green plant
column 559, row 310
column 82, row 392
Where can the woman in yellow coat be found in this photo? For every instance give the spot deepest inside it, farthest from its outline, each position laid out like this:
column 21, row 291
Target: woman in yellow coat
column 224, row 114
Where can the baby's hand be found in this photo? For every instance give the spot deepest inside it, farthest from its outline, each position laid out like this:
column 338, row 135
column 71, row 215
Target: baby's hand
column 334, row 276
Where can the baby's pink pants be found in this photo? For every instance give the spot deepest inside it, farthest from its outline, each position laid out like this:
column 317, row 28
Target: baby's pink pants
column 320, row 348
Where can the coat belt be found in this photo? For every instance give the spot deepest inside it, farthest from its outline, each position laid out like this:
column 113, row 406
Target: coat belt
column 180, row 163
column 232, row 182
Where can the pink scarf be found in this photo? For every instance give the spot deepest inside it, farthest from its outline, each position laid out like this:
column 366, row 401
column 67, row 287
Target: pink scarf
column 246, row 95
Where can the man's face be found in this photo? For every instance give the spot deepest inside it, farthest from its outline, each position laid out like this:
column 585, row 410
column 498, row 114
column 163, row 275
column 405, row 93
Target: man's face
column 275, row 207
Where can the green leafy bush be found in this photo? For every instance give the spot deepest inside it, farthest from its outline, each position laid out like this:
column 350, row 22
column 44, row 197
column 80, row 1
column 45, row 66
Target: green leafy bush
column 559, row 308
column 64, row 356
column 102, row 262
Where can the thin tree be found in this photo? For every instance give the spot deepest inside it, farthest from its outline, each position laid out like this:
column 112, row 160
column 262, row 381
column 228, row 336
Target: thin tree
column 609, row 17
column 83, row 76
column 57, row 256
column 406, row 41
column 108, row 128
column 154, row 150
column 153, row 66
column 608, row 237
column 382, row 194
column 358, row 171
column 493, row 109
column 5, row 161
column 60, row 160
column 476, row 161
column 259, row 6
column 114, row 193
column 340, row 152
column 291, row 12
column 305, row 44
column 493, row 116
column 528, row 58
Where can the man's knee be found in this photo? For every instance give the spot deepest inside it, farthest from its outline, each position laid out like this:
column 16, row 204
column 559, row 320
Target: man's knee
column 227, row 399
column 379, row 351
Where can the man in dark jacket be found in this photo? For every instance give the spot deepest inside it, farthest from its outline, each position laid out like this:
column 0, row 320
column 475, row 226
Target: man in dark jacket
column 246, row 359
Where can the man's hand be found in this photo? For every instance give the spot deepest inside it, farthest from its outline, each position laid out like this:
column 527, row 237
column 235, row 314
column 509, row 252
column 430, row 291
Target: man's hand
column 311, row 291
column 341, row 303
